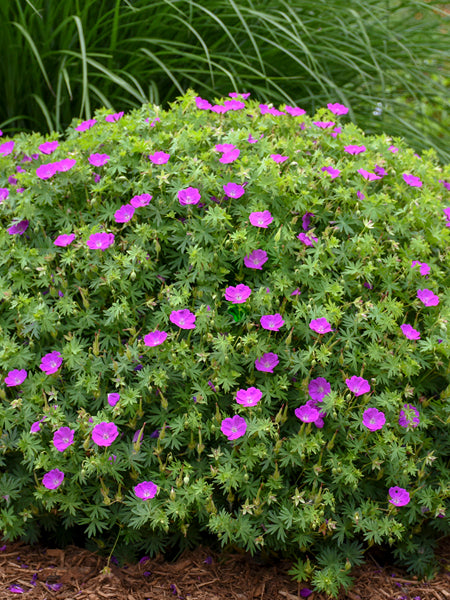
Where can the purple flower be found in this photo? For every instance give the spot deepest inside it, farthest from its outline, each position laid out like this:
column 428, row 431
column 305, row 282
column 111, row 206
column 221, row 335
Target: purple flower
column 159, row 158
column 100, row 241
column 249, row 397
column 278, row 158
column 51, row 362
column 260, row 219
column 98, row 160
column 155, row 338
column 405, row 417
column 48, row 147
column 36, row 426
column 63, row 438
column 368, row 285
column 233, row 190
column 337, row 109
column 53, row 479
column 124, row 213
column 105, row 433
column 380, row 171
column 252, row 140
column 256, row 259
column 354, row 149
column 12, row 180
column 294, row 111
column 324, row 124
column 373, row 418
column 360, row 195
column 320, row 326
column 64, row 239
column 307, row 413
column 15, row 377
column 113, row 399
column 19, row 228
column 202, row 104
column 424, row 267
column 410, row 332
column 272, row 322
column 113, row 118
column 393, row 149
column 398, row 496
column 319, row 388
column 183, row 318
column 307, row 240
column 146, row 490
column 4, row 193
column 296, row 292
column 238, row 294
column 367, row 175
column 86, row 125
column 229, row 157
column 358, row 385
column 427, row 297
column 6, row 148
column 16, row 589
column 267, row 362
column 412, row 180
column 331, row 171
column 189, row 195
column 305, row 592
column 446, row 184
column 234, row 427
column 306, row 220
column 142, row 200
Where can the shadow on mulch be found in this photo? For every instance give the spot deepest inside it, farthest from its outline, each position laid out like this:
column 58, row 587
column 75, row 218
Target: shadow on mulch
column 77, row 574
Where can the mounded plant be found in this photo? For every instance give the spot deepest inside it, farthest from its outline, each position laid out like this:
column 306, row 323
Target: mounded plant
column 228, row 319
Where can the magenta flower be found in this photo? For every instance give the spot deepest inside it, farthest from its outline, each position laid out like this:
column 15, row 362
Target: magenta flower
column 189, row 195
column 307, row 413
column 264, row 108
column 48, row 147
column 398, row 496
column 358, row 385
column 4, row 193
column 323, row 124
column 406, row 418
column 294, row 111
column 296, row 292
column 446, row 184
column 98, row 160
column 16, row 589
column 249, row 397
column 183, row 318
column 63, row 438
column 234, row 104
column 15, row 377
column 306, row 220
column 65, row 164
column 64, row 239
column 360, row 195
column 124, row 213
column 159, row 158
column 380, row 171
column 113, row 118
column 202, row 104
column 36, row 426
column 229, row 157
column 237, row 95
column 373, row 419
column 267, row 362
column 233, row 190
column 272, row 322
column 86, row 125
column 105, row 433
column 100, row 241
column 410, row 332
column 53, row 479
column 320, row 325
column 367, row 175
column 238, row 294
column 146, row 490
column 334, row 134
column 307, row 240
column 51, row 362
column 393, row 149
column 113, row 399
column 155, row 338
column 354, row 149
column 252, row 140
column 427, row 297
column 225, row 147
column 256, row 259
column 218, row 108
column 47, row 171
column 337, row 109
column 319, row 388
column 278, row 158
column 234, row 427
column 142, row 200
column 19, row 228
column 424, row 267
column 261, row 219
column 412, row 180
column 6, row 148
column 331, row 171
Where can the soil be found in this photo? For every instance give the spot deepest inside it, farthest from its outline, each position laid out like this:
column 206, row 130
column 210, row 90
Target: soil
column 78, row 574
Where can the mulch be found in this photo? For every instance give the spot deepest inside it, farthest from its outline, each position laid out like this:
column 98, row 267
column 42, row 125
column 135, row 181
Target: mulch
column 39, row 573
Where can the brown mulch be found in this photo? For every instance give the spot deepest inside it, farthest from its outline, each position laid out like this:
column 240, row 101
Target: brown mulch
column 78, row 574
